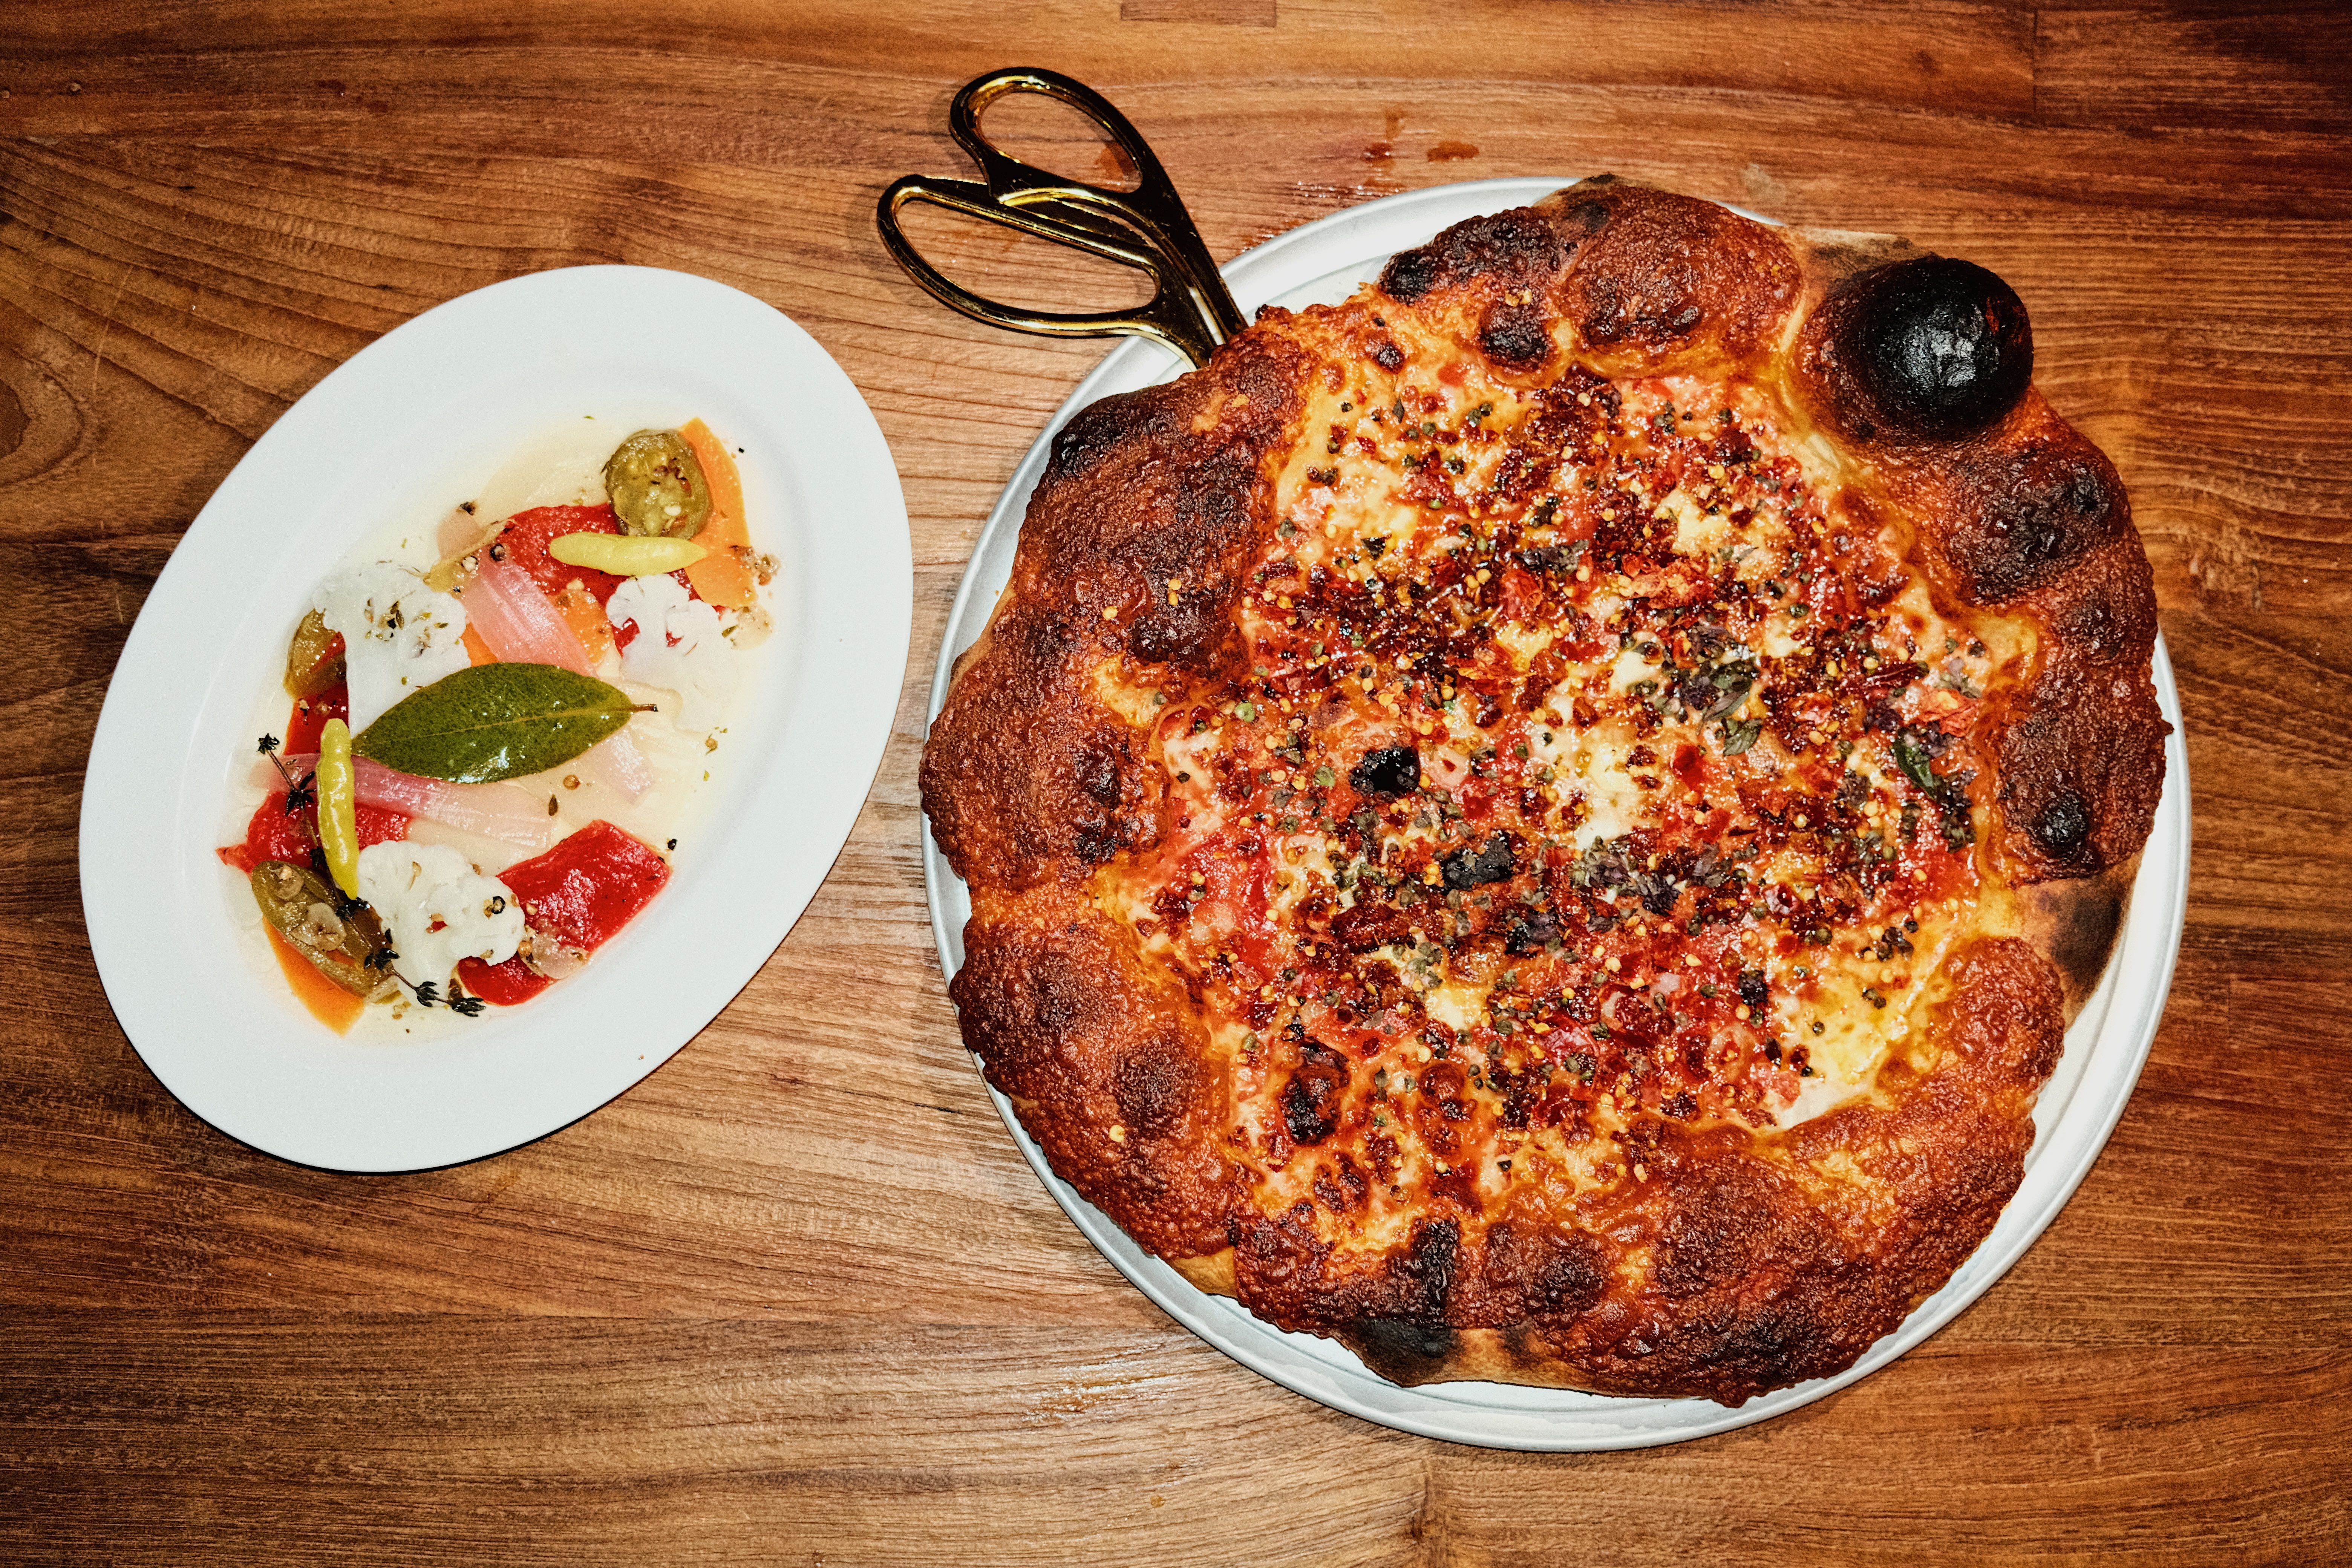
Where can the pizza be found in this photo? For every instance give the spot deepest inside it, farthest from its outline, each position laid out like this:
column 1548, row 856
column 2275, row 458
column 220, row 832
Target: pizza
column 1546, row 822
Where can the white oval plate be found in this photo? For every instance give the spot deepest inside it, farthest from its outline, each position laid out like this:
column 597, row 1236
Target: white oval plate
column 1324, row 262
column 429, row 409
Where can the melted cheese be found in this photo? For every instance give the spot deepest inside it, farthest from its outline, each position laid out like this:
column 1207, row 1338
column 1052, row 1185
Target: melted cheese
column 1697, row 809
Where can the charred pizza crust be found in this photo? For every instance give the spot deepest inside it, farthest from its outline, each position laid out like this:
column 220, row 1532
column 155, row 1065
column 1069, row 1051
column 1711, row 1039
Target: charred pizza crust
column 1699, row 1254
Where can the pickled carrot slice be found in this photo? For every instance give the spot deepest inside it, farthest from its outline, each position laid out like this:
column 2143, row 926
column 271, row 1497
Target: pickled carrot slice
column 327, row 1001
column 724, row 576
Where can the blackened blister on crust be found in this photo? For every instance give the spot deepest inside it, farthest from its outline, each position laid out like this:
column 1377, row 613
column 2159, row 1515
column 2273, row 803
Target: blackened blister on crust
column 1515, row 336
column 1409, row 274
column 1406, row 1337
column 1949, row 349
column 1064, row 1021
column 2022, row 513
column 2063, row 827
column 1024, row 778
column 2081, row 771
column 1927, row 348
column 1505, row 253
column 1407, row 1353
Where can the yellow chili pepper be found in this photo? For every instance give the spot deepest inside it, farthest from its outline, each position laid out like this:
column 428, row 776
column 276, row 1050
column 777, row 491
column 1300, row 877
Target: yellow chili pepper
column 338, row 786
column 625, row 554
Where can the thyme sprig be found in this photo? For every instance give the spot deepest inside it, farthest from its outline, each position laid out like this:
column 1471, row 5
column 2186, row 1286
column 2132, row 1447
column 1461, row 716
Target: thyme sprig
column 428, row 995
column 301, row 793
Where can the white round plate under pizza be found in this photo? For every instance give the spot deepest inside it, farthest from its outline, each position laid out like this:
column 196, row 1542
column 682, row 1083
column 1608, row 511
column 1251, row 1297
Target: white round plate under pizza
column 1521, row 847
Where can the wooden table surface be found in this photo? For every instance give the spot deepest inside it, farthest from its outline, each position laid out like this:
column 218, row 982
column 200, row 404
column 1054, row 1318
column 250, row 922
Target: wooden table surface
column 796, row 1298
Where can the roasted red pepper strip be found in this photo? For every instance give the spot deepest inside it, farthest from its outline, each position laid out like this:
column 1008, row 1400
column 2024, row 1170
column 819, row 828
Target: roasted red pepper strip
column 579, row 893
column 587, row 887
column 501, row 984
column 272, row 834
column 526, row 539
column 310, row 715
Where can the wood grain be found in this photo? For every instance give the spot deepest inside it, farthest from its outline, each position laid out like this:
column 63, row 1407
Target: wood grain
column 796, row 1298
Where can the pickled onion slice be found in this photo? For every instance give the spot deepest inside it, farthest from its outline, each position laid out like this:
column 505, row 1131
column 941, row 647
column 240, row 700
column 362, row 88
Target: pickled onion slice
column 514, row 618
column 505, row 811
column 617, row 764
column 522, row 626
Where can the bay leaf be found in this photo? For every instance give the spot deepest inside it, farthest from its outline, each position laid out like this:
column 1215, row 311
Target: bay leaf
column 495, row 722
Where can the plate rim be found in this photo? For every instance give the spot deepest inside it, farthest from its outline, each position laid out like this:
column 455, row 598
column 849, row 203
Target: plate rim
column 817, row 672
column 1430, row 1410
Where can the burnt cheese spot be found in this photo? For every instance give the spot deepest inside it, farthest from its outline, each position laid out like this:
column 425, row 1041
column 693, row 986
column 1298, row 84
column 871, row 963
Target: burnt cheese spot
column 1312, row 1100
column 1752, row 990
column 1096, row 832
column 1387, row 773
column 1490, row 862
column 1342, row 1186
column 1531, row 934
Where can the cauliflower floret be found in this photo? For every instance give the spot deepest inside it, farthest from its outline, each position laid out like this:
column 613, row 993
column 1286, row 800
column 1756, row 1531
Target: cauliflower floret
column 679, row 647
column 399, row 636
column 416, row 888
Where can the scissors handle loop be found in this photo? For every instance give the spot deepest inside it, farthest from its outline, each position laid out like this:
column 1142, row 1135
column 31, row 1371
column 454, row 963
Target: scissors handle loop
column 1146, row 228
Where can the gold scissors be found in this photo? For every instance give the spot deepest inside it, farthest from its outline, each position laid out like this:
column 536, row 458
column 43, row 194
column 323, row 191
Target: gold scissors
column 1147, row 228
